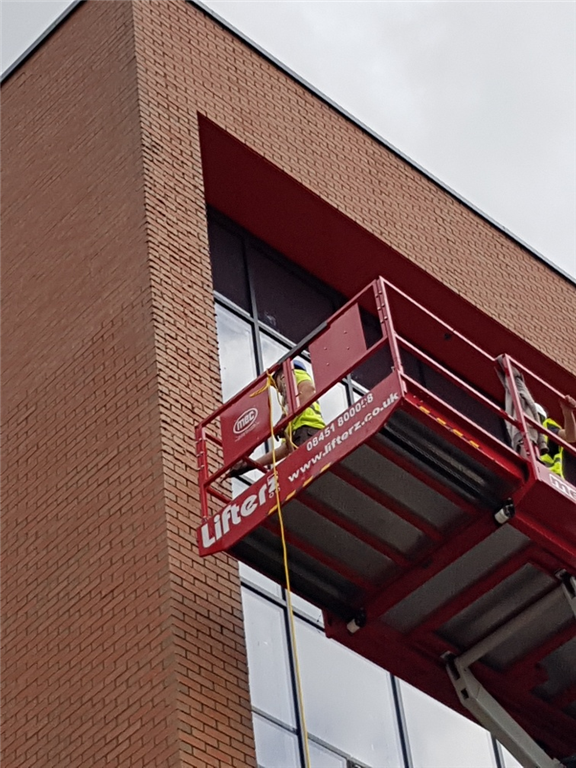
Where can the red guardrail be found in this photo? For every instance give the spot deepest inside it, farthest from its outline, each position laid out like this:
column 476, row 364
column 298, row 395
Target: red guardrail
column 339, row 347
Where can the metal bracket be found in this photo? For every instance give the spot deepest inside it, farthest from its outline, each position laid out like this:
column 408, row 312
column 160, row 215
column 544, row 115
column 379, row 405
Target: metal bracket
column 357, row 622
column 505, row 513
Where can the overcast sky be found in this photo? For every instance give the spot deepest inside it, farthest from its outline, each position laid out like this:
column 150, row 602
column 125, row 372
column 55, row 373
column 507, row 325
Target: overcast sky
column 482, row 95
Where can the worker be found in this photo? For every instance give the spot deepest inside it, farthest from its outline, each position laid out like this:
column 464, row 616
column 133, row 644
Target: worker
column 298, row 431
column 553, row 457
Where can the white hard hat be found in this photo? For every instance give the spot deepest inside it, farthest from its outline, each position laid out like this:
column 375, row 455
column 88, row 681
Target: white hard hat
column 540, row 411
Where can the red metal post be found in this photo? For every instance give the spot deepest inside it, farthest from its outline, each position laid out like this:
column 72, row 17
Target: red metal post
column 385, row 317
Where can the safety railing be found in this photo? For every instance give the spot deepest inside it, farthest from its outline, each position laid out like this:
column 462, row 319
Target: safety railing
column 549, row 399
column 380, row 331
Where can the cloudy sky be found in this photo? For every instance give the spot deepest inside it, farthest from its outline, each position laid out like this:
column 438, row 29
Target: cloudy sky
column 481, row 95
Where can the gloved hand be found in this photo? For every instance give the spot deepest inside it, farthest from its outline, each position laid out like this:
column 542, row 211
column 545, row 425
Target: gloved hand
column 240, row 468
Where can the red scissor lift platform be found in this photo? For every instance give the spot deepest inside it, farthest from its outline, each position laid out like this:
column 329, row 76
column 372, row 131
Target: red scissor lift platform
column 434, row 549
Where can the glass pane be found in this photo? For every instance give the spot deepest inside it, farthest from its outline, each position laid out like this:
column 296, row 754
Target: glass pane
column 347, row 700
column 272, row 351
column 440, row 737
column 238, row 486
column 286, row 302
column 228, row 270
column 509, row 761
column 237, row 361
column 275, row 747
column 358, row 394
column 267, row 644
column 320, row 757
column 333, row 403
column 258, row 580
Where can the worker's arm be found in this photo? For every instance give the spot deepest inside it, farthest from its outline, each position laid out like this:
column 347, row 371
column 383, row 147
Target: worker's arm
column 243, row 466
column 280, row 453
column 306, row 391
column 568, row 433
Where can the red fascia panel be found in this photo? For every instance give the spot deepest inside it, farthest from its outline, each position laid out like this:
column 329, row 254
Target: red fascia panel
column 294, row 220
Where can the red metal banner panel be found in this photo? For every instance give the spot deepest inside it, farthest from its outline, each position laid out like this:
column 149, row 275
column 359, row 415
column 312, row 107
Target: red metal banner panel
column 338, row 348
column 245, row 423
column 339, row 438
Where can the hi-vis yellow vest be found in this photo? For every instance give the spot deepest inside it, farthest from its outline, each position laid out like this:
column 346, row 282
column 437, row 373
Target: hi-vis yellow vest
column 311, row 416
column 553, row 459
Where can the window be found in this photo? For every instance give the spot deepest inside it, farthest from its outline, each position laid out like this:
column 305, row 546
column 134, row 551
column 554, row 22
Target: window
column 285, row 302
column 263, row 583
column 228, row 265
column 320, row 757
column 277, row 747
column 440, row 737
column 509, row 761
column 268, row 659
column 348, row 700
column 237, row 357
column 354, row 714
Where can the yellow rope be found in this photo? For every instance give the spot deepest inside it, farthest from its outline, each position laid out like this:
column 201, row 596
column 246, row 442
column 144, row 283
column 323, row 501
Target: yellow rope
column 287, row 578
column 270, row 382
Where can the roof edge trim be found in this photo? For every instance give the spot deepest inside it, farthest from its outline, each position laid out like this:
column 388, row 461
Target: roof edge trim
column 376, row 137
column 38, row 42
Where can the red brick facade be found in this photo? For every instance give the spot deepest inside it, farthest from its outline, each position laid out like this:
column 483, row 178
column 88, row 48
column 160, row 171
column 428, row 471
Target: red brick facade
column 120, row 645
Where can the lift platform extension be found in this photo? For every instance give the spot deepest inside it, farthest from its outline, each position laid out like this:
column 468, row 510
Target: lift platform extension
column 434, row 549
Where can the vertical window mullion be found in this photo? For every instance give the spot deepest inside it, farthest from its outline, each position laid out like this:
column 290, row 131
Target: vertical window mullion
column 498, row 756
column 253, row 308
column 299, row 704
column 401, row 720
column 290, row 638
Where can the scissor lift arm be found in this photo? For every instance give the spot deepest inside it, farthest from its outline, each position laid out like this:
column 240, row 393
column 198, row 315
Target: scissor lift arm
column 484, row 707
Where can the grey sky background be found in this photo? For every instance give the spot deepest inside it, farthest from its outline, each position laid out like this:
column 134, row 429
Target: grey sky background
column 480, row 94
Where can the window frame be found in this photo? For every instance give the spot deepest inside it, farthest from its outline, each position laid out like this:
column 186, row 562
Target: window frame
column 353, row 390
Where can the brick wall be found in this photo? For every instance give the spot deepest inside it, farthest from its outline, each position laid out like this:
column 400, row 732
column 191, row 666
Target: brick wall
column 194, row 64
column 94, row 606
column 121, row 646
column 190, row 66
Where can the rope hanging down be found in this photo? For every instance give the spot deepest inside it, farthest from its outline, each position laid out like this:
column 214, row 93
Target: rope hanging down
column 270, row 383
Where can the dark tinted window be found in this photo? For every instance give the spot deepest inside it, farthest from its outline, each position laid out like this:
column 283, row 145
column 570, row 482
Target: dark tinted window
column 228, row 265
column 286, row 302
